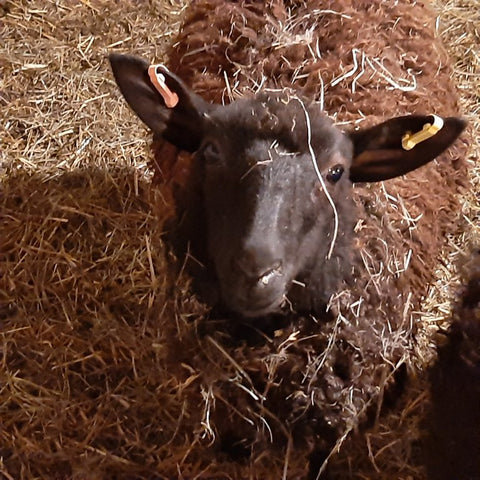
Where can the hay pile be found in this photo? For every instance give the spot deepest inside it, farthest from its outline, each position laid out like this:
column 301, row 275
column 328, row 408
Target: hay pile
column 85, row 387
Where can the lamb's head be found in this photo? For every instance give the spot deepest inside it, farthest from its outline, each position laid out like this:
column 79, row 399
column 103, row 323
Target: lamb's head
column 276, row 177
column 269, row 219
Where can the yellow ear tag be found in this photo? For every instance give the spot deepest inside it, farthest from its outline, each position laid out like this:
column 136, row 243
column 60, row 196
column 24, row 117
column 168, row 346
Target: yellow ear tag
column 410, row 140
column 158, row 79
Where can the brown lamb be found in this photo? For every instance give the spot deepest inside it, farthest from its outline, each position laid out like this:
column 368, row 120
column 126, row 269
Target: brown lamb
column 257, row 402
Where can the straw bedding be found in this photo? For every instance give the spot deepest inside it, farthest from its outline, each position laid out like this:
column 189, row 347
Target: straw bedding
column 108, row 367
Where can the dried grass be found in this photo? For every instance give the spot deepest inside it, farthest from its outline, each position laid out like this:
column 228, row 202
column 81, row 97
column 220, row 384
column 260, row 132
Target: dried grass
column 87, row 386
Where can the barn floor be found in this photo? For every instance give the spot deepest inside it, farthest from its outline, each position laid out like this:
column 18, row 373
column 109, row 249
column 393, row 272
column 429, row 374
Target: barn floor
column 84, row 392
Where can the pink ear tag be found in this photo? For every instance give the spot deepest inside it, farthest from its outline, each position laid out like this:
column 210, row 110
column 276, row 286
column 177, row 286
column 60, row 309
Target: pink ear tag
column 158, row 79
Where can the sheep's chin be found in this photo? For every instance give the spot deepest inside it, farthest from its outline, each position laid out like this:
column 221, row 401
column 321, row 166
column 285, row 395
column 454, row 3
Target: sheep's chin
column 255, row 311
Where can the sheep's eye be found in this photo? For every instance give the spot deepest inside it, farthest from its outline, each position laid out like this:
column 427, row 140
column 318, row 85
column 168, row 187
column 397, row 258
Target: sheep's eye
column 335, row 173
column 211, row 153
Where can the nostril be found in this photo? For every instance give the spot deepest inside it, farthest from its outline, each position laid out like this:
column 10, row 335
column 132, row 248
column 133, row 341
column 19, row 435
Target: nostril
column 239, row 266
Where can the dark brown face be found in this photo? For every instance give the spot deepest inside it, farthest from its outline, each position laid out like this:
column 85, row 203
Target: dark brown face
column 268, row 216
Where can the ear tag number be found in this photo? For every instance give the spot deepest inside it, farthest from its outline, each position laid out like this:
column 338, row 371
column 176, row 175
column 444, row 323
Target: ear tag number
column 411, row 140
column 158, row 79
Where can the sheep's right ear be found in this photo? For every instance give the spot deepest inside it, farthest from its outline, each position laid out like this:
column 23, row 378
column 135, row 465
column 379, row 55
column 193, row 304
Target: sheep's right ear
column 181, row 123
column 380, row 152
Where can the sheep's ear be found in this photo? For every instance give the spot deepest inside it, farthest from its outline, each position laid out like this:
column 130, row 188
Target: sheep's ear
column 181, row 122
column 384, row 151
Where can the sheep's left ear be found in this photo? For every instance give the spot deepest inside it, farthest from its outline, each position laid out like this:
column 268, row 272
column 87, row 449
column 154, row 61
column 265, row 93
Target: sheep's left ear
column 383, row 151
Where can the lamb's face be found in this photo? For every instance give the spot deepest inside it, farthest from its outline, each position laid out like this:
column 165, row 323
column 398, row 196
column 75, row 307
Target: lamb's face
column 269, row 221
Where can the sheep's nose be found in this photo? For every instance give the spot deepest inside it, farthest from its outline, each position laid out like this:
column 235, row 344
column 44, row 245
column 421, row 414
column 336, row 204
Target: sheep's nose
column 258, row 268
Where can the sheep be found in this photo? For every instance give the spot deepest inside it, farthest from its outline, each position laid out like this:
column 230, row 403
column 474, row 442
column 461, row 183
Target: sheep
column 453, row 426
column 271, row 235
column 277, row 108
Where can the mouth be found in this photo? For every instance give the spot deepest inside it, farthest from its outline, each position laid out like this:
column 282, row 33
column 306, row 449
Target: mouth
column 255, row 298
column 256, row 309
